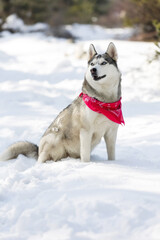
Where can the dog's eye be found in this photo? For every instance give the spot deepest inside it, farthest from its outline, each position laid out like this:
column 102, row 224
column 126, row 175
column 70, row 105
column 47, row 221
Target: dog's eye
column 103, row 63
column 92, row 64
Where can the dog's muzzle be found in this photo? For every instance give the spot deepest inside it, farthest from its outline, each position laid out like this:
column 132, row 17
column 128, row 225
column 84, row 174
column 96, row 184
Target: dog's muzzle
column 94, row 74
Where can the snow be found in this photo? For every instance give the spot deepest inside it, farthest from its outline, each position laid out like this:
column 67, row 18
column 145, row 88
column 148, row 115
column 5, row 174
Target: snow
column 70, row 200
column 92, row 32
column 16, row 24
column 96, row 32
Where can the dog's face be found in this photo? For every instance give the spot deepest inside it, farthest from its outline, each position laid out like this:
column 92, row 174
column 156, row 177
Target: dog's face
column 102, row 68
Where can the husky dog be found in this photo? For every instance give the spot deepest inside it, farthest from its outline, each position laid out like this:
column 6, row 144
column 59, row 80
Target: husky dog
column 78, row 129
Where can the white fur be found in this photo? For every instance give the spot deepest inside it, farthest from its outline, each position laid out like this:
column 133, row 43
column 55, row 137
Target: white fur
column 85, row 144
column 107, row 85
column 99, row 126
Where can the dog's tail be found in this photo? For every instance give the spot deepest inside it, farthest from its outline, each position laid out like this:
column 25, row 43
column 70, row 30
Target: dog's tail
column 25, row 148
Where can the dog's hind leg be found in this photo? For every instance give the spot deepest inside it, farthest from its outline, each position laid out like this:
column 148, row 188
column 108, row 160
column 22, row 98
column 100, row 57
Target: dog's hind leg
column 51, row 152
column 43, row 157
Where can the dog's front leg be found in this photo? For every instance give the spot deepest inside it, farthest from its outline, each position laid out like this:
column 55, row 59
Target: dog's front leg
column 110, row 139
column 85, row 145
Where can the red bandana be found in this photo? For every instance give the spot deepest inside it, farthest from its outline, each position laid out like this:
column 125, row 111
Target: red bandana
column 113, row 111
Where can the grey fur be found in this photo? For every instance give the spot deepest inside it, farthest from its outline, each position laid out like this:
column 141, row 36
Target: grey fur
column 25, row 148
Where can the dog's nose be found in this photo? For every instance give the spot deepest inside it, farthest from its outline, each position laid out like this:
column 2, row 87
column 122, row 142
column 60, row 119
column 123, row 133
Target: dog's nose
column 93, row 70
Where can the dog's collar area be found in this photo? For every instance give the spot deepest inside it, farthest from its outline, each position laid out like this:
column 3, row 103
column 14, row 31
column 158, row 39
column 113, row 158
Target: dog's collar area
column 112, row 111
column 113, row 105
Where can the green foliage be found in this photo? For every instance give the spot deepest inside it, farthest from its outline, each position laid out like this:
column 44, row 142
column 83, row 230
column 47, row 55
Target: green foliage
column 30, row 11
column 82, row 10
column 143, row 12
column 157, row 26
column 54, row 12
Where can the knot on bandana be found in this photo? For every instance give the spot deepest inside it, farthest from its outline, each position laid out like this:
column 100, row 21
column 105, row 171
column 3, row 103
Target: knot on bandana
column 113, row 111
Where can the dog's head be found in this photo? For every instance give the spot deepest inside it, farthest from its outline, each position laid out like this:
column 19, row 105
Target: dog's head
column 102, row 68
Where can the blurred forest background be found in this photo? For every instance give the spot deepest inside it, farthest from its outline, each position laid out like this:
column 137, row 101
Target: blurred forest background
column 144, row 14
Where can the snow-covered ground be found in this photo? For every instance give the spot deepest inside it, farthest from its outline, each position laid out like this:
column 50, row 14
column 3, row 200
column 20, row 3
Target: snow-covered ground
column 70, row 200
column 78, row 31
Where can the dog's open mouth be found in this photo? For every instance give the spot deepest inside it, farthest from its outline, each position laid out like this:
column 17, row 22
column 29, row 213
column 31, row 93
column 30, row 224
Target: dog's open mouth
column 96, row 78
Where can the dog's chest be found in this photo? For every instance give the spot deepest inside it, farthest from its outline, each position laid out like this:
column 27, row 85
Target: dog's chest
column 98, row 123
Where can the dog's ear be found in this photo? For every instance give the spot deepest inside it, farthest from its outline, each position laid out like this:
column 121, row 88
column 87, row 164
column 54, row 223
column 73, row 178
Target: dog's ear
column 91, row 52
column 112, row 51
